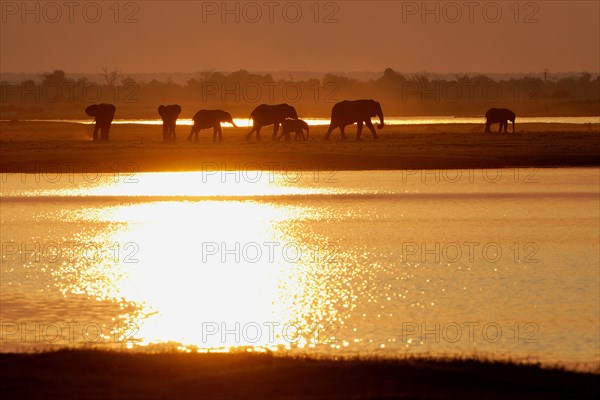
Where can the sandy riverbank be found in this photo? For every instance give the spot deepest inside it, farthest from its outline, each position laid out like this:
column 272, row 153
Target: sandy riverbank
column 38, row 146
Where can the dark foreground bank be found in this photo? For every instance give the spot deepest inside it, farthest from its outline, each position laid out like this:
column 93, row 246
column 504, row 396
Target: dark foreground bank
column 86, row 374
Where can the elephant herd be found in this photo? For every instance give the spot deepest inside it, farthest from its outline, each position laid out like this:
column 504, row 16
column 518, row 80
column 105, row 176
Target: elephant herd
column 342, row 114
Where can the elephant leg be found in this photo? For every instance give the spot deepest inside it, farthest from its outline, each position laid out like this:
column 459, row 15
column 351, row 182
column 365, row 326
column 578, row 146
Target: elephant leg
column 95, row 135
column 369, row 125
column 220, row 131
column 249, row 134
column 104, row 132
column 165, row 132
column 359, row 129
column 173, row 130
column 189, row 138
column 258, row 133
column 342, row 127
column 329, row 130
column 217, row 131
column 275, row 130
column 487, row 127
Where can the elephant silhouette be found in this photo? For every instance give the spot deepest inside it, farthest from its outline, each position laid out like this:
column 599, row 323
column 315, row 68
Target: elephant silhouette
column 348, row 112
column 265, row 114
column 294, row 125
column 205, row 119
column 499, row 116
column 104, row 115
column 169, row 115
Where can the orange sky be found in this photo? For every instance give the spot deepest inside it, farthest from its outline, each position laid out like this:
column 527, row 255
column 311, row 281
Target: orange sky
column 187, row 36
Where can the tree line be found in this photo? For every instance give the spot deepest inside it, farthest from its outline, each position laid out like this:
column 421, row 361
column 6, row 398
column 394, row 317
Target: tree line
column 56, row 95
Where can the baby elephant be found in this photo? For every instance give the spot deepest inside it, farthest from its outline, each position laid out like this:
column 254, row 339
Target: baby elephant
column 294, row 125
column 205, row 119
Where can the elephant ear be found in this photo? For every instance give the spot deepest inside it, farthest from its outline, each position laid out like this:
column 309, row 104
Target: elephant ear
column 91, row 110
column 177, row 109
column 293, row 112
column 161, row 110
column 111, row 109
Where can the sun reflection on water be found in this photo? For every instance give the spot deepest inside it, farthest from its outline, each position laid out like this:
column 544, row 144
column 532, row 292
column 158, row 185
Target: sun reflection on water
column 210, row 274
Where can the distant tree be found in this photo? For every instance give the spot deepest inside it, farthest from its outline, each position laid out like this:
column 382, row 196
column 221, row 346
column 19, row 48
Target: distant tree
column 56, row 77
column 585, row 78
column 547, row 75
column 391, row 76
column 128, row 81
column 421, row 79
column 110, row 77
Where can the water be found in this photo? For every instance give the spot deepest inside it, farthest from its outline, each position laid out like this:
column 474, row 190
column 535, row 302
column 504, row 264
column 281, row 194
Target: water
column 245, row 122
column 497, row 262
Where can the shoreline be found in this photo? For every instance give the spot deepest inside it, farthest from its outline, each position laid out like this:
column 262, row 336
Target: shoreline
column 113, row 374
column 37, row 147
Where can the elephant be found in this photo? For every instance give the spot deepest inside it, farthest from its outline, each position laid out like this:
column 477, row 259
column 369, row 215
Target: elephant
column 360, row 111
column 294, row 125
column 104, row 115
column 169, row 115
column 266, row 114
column 501, row 116
column 205, row 119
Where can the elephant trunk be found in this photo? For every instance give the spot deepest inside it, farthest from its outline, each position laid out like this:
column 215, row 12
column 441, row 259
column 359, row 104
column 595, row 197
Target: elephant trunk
column 306, row 131
column 380, row 115
column 513, row 125
column 232, row 123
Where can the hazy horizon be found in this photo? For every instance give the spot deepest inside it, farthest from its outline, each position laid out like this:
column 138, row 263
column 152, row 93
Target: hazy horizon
column 437, row 37
column 181, row 77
